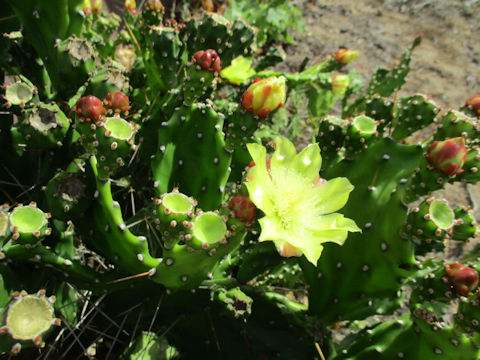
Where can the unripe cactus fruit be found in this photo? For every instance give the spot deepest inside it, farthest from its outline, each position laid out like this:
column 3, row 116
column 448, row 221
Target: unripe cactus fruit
column 208, row 60
column 345, row 56
column 447, row 156
column 462, row 279
column 473, row 104
column 340, row 84
column 243, row 208
column 264, row 96
column 118, row 102
column 90, row 108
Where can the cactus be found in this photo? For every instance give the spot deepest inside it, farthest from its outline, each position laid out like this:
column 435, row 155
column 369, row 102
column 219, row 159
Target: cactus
column 154, row 188
column 27, row 318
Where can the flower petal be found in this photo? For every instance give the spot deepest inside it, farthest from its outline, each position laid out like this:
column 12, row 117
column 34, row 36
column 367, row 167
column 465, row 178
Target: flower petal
column 313, row 254
column 259, row 183
column 334, row 221
column 259, row 196
column 333, row 194
column 271, row 229
column 284, row 153
column 312, row 247
column 308, row 162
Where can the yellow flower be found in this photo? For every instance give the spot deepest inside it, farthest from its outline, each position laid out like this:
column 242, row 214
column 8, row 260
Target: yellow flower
column 299, row 209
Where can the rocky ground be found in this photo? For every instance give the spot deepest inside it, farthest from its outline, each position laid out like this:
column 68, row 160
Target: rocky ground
column 445, row 67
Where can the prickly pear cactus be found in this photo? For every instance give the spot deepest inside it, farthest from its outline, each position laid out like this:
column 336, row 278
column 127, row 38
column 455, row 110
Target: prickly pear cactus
column 153, row 185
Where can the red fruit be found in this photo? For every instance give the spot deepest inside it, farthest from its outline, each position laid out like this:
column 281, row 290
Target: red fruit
column 208, row 60
column 243, row 208
column 448, row 156
column 462, row 279
column 90, row 108
column 118, row 102
column 473, row 103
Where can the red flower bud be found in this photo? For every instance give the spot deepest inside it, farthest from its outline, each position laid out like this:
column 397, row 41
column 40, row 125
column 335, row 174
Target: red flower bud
column 462, row 279
column 118, row 102
column 155, row 6
column 90, row 108
column 264, row 96
column 131, row 5
column 473, row 103
column 243, row 208
column 87, row 7
column 340, row 84
column 448, row 156
column 97, row 6
column 207, row 60
column 345, row 56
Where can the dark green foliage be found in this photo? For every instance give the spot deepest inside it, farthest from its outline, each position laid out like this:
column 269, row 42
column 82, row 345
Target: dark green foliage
column 138, row 238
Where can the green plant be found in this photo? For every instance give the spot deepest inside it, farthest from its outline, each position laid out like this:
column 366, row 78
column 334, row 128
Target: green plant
column 131, row 194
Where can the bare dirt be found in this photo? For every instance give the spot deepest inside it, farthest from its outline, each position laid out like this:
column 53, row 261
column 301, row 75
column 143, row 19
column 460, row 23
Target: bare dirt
column 445, row 67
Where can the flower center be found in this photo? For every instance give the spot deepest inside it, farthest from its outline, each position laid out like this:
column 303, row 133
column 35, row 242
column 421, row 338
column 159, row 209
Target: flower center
column 293, row 205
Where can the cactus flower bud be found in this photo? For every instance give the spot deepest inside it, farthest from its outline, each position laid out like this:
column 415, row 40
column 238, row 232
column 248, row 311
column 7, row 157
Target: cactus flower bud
column 118, row 102
column 264, row 96
column 340, row 84
column 207, row 60
column 97, row 6
column 155, row 6
column 131, row 6
column 345, row 56
column 448, row 156
column 243, row 208
column 87, row 7
column 473, row 104
column 90, row 108
column 462, row 279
